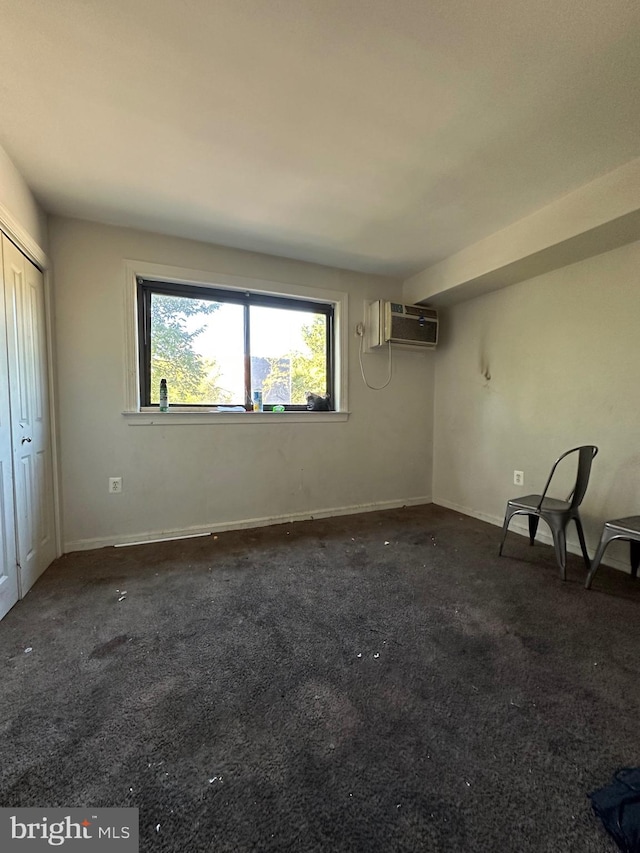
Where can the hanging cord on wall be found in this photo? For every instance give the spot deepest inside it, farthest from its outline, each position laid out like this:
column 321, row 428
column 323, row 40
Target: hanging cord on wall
column 364, row 378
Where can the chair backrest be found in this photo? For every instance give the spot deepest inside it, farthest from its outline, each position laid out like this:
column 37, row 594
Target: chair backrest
column 586, row 454
column 585, row 458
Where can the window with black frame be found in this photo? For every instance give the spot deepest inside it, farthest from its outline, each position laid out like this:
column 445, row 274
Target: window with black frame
column 216, row 347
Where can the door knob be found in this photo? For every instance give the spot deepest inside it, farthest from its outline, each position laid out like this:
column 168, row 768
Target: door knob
column 25, row 439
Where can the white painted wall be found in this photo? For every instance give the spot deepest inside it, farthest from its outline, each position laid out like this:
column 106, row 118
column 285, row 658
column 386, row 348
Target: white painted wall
column 563, row 356
column 17, row 201
column 181, row 478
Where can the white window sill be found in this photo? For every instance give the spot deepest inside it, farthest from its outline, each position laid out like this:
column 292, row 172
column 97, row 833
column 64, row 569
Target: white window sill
column 175, row 418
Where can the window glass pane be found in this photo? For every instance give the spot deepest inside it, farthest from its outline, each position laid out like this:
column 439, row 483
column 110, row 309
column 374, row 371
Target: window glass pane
column 288, row 354
column 198, row 347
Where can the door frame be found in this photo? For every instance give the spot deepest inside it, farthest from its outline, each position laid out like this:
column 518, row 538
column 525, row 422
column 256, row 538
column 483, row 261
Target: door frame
column 36, row 254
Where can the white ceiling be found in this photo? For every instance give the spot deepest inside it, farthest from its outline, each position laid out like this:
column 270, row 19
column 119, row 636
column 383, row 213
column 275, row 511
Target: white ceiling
column 379, row 135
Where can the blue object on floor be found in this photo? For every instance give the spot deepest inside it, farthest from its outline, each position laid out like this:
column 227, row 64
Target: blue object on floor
column 618, row 807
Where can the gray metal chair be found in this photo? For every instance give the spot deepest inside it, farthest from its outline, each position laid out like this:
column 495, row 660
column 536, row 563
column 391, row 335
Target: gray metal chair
column 619, row 528
column 556, row 513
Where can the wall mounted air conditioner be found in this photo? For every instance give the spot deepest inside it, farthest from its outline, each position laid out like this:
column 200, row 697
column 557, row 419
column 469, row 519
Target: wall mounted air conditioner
column 407, row 325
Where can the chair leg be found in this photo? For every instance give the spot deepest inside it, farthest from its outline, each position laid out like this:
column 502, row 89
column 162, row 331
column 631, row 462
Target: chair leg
column 560, row 547
column 505, row 526
column 595, row 565
column 634, row 554
column 533, row 528
column 583, row 544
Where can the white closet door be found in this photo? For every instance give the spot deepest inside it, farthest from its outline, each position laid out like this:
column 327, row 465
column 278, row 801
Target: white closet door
column 28, row 388
column 8, row 562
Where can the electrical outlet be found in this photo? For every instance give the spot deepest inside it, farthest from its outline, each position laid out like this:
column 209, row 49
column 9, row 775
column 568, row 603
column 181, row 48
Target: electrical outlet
column 359, row 329
column 518, row 478
column 115, row 485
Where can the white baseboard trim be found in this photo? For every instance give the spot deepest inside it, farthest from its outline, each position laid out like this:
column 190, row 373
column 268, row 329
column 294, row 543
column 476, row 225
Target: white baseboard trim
column 240, row 524
column 520, row 526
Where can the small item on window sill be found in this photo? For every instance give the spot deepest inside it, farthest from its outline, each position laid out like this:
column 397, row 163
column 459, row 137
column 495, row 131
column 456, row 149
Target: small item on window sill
column 257, row 401
column 230, row 409
column 164, row 396
column 317, row 403
column 278, row 408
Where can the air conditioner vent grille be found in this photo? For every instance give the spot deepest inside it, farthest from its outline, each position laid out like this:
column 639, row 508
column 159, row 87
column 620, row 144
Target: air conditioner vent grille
column 407, row 330
column 418, row 311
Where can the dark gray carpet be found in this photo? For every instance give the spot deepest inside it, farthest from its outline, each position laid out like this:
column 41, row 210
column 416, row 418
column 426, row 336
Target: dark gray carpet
column 381, row 682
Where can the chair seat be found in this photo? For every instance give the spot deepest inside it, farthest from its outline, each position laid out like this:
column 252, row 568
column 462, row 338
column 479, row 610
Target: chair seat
column 629, row 525
column 532, row 502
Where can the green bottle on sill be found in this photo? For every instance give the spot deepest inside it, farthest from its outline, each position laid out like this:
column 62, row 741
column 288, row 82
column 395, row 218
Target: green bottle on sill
column 164, row 397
